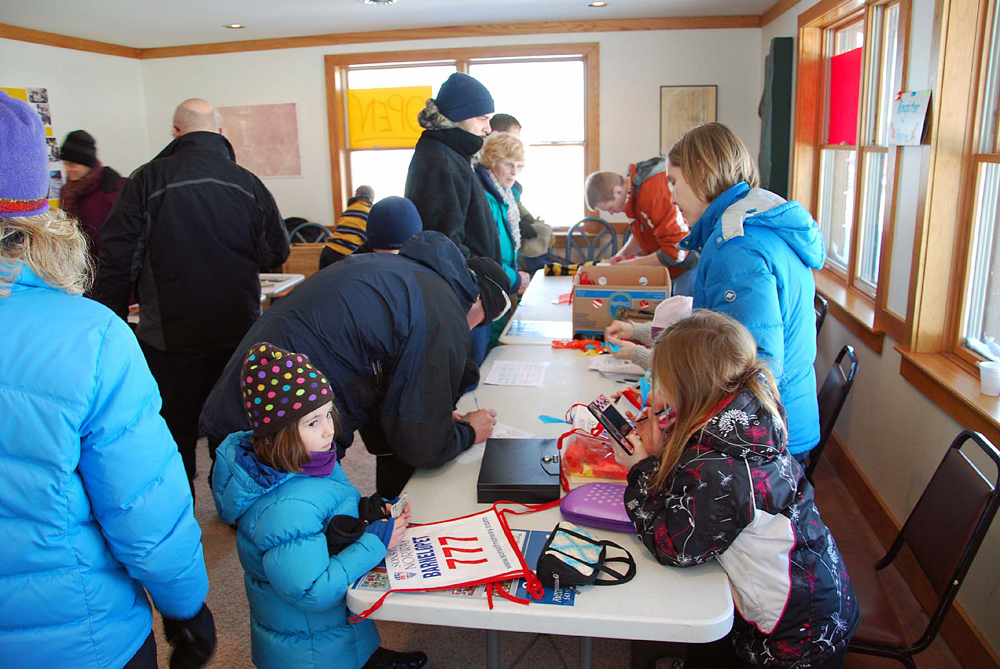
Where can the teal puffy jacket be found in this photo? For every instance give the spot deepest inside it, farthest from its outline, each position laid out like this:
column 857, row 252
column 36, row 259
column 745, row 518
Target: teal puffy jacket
column 296, row 589
column 95, row 504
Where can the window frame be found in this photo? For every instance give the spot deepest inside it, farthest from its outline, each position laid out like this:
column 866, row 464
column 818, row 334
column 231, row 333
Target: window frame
column 336, row 66
column 863, row 310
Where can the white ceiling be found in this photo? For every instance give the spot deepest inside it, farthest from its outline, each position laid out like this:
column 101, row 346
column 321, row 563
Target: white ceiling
column 155, row 23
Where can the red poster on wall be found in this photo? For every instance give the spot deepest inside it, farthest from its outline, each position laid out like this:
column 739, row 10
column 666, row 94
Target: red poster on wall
column 845, row 89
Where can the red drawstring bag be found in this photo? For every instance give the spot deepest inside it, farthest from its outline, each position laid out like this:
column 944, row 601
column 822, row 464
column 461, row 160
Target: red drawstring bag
column 477, row 549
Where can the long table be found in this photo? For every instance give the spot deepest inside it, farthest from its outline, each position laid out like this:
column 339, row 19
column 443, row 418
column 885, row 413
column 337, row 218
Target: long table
column 660, row 604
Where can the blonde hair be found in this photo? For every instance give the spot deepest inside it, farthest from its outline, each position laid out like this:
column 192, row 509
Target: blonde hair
column 501, row 146
column 600, row 187
column 713, row 159
column 698, row 362
column 51, row 244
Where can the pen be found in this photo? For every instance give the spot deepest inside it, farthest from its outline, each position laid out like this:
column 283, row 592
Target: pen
column 476, row 398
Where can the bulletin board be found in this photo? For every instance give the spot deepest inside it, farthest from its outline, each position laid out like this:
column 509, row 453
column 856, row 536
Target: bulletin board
column 682, row 108
column 265, row 138
column 38, row 99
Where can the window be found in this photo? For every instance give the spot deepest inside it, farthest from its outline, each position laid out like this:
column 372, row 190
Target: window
column 851, row 66
column 981, row 331
column 864, row 63
column 550, row 89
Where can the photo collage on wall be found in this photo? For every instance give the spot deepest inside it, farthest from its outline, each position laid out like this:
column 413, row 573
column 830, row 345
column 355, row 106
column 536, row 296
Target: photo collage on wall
column 38, row 98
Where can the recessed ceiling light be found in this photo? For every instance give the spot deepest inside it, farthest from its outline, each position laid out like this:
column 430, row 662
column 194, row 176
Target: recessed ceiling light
column 379, row 2
column 234, row 26
column 598, row 4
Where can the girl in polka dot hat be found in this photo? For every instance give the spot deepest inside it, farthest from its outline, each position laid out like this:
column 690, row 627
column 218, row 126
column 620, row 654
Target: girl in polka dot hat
column 304, row 533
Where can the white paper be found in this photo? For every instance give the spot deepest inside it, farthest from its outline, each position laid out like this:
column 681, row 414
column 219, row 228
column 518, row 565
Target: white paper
column 500, row 431
column 507, row 373
column 909, row 112
column 606, row 364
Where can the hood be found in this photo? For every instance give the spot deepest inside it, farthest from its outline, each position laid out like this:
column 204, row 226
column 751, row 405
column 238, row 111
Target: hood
column 109, row 180
column 199, row 141
column 741, row 207
column 647, row 169
column 239, row 479
column 744, row 430
column 439, row 254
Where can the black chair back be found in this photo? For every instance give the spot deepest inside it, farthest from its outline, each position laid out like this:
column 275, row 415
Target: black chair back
column 832, row 395
column 583, row 244
column 821, row 306
column 947, row 526
column 309, row 233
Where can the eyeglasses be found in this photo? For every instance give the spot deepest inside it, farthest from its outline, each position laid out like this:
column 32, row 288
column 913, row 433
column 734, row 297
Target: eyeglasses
column 512, row 165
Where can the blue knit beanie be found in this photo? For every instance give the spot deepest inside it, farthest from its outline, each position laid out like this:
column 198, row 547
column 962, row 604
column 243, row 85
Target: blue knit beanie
column 24, row 160
column 462, row 97
column 391, row 222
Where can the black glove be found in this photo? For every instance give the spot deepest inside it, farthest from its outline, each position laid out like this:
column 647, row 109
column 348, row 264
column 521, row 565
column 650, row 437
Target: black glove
column 342, row 532
column 371, row 509
column 193, row 639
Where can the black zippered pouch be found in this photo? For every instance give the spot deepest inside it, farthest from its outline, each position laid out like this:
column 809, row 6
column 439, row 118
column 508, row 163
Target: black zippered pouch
column 572, row 556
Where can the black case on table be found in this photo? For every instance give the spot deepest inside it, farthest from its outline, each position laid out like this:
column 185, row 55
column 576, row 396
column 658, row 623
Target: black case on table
column 514, row 470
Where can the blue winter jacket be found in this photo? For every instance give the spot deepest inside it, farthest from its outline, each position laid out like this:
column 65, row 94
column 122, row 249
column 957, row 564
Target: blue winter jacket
column 94, row 504
column 757, row 257
column 296, row 589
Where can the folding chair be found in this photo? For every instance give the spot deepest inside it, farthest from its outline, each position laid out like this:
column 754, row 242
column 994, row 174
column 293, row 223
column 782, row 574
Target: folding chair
column 590, row 239
column 944, row 531
column 821, row 306
column 832, row 396
column 308, row 233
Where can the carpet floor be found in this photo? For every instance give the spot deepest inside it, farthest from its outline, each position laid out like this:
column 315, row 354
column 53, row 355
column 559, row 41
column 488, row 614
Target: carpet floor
column 449, row 647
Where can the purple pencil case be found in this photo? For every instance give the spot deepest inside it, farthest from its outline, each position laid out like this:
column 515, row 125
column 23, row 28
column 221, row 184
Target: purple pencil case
column 598, row 505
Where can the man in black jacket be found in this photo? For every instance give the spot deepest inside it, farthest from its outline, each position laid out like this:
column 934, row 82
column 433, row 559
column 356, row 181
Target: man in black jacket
column 391, row 333
column 188, row 236
column 441, row 181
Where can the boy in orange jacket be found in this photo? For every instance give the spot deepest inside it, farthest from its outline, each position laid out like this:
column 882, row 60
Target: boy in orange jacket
column 657, row 226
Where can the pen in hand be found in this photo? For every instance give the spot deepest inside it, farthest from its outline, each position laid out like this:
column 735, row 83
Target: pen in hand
column 476, row 398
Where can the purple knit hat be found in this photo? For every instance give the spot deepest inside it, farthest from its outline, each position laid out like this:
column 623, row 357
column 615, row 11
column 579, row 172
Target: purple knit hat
column 24, row 169
column 279, row 387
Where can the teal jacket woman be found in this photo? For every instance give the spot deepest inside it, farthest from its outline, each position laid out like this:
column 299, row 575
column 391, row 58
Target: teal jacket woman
column 296, row 589
column 500, row 207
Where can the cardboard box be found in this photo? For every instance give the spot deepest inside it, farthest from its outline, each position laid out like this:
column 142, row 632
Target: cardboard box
column 620, row 292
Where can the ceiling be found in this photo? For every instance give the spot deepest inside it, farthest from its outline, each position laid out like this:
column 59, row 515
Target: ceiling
column 158, row 23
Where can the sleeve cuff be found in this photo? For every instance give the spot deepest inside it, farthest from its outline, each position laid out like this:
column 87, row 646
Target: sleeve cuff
column 643, row 333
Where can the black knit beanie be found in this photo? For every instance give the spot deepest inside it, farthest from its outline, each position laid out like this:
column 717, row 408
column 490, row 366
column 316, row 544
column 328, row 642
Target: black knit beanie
column 493, row 287
column 279, row 387
column 80, row 148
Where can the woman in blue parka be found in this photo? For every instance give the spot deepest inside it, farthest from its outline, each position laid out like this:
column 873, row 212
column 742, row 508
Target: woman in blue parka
column 757, row 256
column 95, row 510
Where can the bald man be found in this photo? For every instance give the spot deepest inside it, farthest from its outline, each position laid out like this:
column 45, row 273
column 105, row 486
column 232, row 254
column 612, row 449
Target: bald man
column 187, row 237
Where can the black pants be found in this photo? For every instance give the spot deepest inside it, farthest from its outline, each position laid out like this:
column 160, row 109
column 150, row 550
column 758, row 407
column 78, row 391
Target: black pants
column 722, row 655
column 185, row 380
column 145, row 657
column 391, row 474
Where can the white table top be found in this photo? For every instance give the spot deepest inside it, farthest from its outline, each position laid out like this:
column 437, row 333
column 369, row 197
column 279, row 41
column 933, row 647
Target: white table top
column 536, row 305
column 272, row 284
column 661, row 603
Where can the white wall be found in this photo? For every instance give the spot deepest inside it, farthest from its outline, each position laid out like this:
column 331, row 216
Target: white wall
column 87, row 91
column 897, row 435
column 633, row 67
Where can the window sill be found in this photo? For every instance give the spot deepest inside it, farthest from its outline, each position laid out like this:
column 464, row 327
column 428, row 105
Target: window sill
column 852, row 308
column 953, row 388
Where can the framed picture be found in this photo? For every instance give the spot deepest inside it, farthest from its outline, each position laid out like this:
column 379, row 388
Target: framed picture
column 682, row 108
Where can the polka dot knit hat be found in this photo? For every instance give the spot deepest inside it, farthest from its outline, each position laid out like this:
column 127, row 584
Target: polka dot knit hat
column 279, row 387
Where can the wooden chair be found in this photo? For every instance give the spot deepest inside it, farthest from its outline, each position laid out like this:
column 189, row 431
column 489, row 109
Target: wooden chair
column 590, row 239
column 944, row 531
column 303, row 259
column 832, row 395
column 821, row 306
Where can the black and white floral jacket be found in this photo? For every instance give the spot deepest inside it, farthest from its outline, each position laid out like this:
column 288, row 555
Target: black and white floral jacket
column 739, row 497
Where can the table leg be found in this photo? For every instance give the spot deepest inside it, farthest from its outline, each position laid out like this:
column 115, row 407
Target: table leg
column 492, row 649
column 586, row 652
